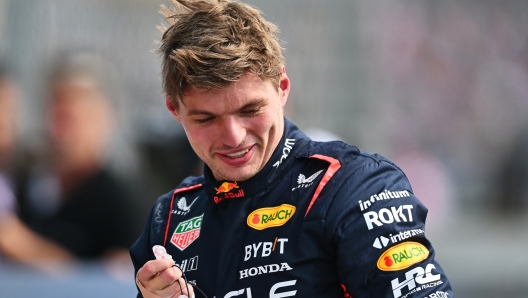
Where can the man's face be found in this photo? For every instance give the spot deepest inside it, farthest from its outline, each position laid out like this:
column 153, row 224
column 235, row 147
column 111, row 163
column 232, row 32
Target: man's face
column 234, row 130
column 79, row 119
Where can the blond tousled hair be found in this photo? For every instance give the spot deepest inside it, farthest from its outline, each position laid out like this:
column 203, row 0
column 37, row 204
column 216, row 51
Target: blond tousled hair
column 210, row 44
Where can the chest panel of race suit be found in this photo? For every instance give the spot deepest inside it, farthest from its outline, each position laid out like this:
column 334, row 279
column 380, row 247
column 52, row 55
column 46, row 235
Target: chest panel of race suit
column 258, row 246
column 319, row 220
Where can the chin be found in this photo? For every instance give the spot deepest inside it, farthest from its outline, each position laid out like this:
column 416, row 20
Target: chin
column 237, row 174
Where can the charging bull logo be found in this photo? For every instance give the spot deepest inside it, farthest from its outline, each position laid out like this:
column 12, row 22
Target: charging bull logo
column 226, row 187
column 264, row 218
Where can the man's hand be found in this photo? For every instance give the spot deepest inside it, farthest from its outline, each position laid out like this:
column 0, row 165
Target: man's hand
column 158, row 278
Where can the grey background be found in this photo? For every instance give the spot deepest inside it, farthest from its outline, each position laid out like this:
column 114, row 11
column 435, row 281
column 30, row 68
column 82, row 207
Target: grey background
column 447, row 79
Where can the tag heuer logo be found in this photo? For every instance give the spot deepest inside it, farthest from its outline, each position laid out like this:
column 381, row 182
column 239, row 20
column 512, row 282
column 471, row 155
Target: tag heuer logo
column 186, row 232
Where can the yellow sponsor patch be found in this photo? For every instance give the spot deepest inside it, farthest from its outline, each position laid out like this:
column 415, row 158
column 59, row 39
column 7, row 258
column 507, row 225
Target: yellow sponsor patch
column 268, row 217
column 402, row 256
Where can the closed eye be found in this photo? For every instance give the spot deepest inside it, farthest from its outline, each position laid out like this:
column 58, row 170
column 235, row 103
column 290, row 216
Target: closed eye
column 204, row 120
column 251, row 112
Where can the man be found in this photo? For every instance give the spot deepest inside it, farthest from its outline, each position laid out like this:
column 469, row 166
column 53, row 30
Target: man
column 275, row 214
column 71, row 195
column 17, row 241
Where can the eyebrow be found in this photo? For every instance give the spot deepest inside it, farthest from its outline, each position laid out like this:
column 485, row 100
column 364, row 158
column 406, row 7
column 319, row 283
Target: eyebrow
column 199, row 112
column 254, row 103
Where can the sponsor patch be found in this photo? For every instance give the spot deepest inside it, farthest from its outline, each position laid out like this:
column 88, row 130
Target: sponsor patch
column 402, row 256
column 188, row 264
column 379, row 241
column 304, row 182
column 288, row 146
column 276, row 291
column 264, row 249
column 272, row 268
column 182, row 206
column 186, row 232
column 158, row 220
column 225, row 189
column 385, row 195
column 388, row 216
column 423, row 277
column 382, row 242
column 268, row 217
column 439, row 294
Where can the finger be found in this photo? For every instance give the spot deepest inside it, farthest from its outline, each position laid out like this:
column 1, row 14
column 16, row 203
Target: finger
column 191, row 291
column 186, row 289
column 157, row 283
column 175, row 290
column 171, row 274
column 165, row 278
column 152, row 268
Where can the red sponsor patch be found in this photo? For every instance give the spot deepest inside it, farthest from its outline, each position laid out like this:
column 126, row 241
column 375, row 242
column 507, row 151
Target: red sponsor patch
column 186, row 232
column 226, row 187
column 225, row 192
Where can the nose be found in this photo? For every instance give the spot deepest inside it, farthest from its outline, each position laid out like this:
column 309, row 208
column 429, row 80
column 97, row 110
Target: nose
column 232, row 131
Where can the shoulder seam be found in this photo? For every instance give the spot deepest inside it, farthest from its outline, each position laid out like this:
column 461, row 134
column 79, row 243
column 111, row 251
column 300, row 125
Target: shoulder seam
column 187, row 188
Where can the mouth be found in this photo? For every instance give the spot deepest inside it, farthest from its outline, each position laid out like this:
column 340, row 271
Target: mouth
column 237, row 158
column 237, row 154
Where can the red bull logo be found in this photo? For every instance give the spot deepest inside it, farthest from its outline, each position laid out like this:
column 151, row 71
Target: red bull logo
column 226, row 188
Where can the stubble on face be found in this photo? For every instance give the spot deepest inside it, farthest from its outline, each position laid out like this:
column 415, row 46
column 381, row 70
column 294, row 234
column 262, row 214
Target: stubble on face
column 233, row 129
column 264, row 148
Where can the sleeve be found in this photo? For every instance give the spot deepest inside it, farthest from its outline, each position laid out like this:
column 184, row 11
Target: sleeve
column 153, row 233
column 141, row 251
column 377, row 228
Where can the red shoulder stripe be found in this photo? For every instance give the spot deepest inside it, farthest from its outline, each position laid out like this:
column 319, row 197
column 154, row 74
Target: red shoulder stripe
column 334, row 166
column 176, row 191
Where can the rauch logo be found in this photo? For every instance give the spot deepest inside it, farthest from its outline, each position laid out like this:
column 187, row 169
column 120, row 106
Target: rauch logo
column 268, row 217
column 402, row 256
column 186, row 232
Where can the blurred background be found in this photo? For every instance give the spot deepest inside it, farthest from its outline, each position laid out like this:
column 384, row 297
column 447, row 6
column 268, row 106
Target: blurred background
column 439, row 87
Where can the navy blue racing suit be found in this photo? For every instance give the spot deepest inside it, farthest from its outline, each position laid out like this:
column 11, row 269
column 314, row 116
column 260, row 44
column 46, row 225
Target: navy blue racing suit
column 321, row 219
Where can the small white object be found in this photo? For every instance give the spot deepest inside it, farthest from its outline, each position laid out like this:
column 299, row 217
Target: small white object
column 161, row 253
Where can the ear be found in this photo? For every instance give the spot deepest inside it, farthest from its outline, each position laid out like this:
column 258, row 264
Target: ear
column 284, row 87
column 172, row 109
